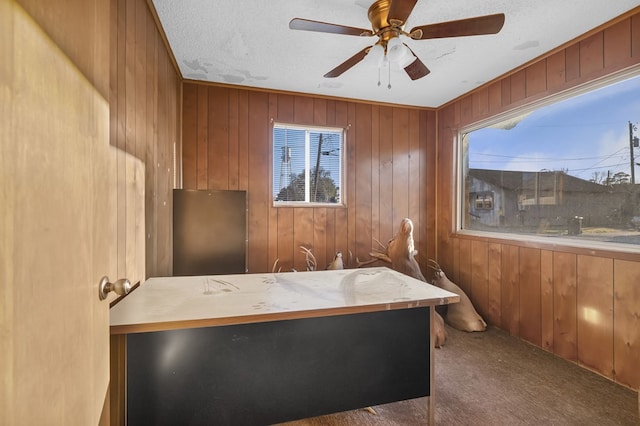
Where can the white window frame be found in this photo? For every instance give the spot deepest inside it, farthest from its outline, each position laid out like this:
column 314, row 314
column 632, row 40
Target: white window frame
column 342, row 184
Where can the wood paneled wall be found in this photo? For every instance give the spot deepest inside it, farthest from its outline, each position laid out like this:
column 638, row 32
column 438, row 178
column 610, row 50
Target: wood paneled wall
column 145, row 102
column 582, row 305
column 227, row 145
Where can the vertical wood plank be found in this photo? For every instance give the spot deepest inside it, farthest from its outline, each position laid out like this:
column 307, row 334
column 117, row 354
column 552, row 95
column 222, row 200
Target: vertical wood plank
column 572, row 62
column 233, row 141
column 626, row 322
column 494, row 314
column 258, row 187
column 218, row 139
column 510, row 289
column 565, row 329
column 529, row 272
column 285, row 238
column 302, row 236
column 480, row 277
column 635, row 36
column 303, row 110
column 505, row 89
column 595, row 314
column 400, row 139
column 243, row 140
column 480, row 103
column 464, row 266
column 546, row 299
column 320, row 112
column 385, row 172
column 536, row 78
column 351, row 178
column 495, row 97
column 341, row 225
column 617, row 43
column 285, row 109
column 592, row 54
column 428, row 145
column 362, row 197
column 556, row 70
column 273, row 211
column 189, row 136
column 202, row 131
column 320, row 238
column 413, row 177
column 518, row 86
column 376, row 195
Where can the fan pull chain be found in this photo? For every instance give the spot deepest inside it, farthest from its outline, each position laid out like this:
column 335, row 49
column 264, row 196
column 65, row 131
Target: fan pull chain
column 389, row 86
column 378, row 76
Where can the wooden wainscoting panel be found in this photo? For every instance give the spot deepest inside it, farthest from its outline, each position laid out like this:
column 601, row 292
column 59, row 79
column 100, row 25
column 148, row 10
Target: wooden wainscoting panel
column 189, row 136
column 626, row 319
column 464, row 266
column 233, row 137
column 302, row 236
column 285, row 244
column 617, row 43
column 536, row 78
column 218, row 139
column 494, row 313
column 320, row 238
column 595, row 313
column 376, row 195
column 385, row 171
column 518, row 86
column 495, row 97
column 361, row 200
column 592, row 54
column 341, row 237
column 480, row 276
column 529, row 271
column 400, row 139
column 414, row 184
column 510, row 289
column 202, row 137
column 303, row 110
column 556, row 70
column 635, row 36
column 259, row 198
column 546, row 299
column 565, row 328
column 320, row 112
column 572, row 62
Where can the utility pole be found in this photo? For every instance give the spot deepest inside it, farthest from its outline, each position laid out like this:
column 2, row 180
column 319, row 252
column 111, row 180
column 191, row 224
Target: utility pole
column 633, row 141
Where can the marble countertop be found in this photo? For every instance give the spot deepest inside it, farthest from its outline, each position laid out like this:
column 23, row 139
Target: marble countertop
column 181, row 302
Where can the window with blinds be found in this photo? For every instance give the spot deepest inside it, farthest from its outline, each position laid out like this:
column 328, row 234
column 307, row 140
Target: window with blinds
column 307, row 165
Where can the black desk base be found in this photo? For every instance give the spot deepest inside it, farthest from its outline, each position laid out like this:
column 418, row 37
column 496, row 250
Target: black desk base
column 272, row 372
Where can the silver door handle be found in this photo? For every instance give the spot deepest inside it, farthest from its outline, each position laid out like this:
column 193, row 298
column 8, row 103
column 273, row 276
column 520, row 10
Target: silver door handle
column 120, row 287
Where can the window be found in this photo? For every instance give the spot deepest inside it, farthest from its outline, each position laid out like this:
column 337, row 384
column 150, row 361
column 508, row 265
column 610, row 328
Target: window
column 565, row 169
column 307, row 165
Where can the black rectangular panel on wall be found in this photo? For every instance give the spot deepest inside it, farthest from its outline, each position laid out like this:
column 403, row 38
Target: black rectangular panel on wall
column 209, row 232
column 270, row 372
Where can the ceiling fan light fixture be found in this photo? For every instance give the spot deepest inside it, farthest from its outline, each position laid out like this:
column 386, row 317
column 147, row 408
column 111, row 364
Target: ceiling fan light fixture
column 398, row 53
column 375, row 56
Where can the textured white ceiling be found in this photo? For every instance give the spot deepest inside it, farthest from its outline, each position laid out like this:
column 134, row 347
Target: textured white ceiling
column 249, row 43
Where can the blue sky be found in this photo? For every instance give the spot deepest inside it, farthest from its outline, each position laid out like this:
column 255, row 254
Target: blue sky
column 585, row 134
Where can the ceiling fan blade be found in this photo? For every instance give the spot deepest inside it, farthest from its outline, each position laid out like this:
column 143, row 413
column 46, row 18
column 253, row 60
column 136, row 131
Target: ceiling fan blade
column 399, row 11
column 325, row 27
column 488, row 24
column 416, row 69
column 337, row 71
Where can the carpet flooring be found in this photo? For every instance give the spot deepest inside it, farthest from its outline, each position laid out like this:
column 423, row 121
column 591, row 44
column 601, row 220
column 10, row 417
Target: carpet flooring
column 494, row 379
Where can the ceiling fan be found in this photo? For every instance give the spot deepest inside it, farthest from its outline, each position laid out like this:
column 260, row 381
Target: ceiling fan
column 388, row 18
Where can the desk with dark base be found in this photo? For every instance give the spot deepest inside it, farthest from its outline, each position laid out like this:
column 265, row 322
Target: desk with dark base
column 263, row 349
